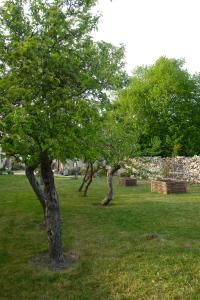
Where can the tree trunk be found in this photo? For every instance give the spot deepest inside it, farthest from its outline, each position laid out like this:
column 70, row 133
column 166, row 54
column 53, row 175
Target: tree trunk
column 53, row 221
column 40, row 176
column 89, row 180
column 76, row 170
column 110, row 174
column 84, row 179
column 36, row 187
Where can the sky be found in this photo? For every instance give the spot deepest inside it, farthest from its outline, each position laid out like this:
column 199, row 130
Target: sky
column 152, row 28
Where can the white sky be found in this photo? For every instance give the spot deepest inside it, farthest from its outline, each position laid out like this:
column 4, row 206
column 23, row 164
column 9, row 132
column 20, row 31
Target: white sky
column 152, row 28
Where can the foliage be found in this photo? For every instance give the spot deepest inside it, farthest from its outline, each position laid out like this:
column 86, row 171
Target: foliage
column 119, row 137
column 125, row 173
column 3, row 171
column 101, row 172
column 113, row 142
column 162, row 102
column 54, row 79
column 10, row 172
column 17, row 166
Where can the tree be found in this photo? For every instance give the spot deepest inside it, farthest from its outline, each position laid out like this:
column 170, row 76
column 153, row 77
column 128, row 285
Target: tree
column 119, row 144
column 91, row 148
column 88, row 150
column 162, row 102
column 51, row 74
column 92, row 167
column 114, row 141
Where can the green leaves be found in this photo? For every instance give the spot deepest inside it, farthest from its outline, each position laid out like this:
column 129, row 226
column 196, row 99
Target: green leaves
column 55, row 81
column 163, row 103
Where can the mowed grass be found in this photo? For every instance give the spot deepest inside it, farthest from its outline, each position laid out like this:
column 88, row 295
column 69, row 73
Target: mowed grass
column 114, row 258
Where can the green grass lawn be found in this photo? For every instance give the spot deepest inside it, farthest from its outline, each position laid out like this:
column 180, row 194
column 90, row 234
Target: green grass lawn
column 114, row 258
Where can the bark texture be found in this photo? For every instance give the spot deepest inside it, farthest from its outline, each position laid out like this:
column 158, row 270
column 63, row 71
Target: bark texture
column 89, row 181
column 85, row 178
column 110, row 174
column 89, row 177
column 36, row 187
column 53, row 222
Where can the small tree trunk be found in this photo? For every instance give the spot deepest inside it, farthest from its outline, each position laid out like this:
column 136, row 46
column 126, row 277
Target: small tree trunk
column 76, row 170
column 89, row 180
column 36, row 187
column 109, row 196
column 52, row 212
column 84, row 179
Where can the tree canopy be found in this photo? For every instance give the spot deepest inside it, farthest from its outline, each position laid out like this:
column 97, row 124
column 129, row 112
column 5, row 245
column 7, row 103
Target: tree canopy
column 162, row 101
column 52, row 74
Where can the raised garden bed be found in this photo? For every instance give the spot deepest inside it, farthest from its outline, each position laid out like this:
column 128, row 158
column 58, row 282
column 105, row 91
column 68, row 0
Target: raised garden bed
column 128, row 181
column 168, row 186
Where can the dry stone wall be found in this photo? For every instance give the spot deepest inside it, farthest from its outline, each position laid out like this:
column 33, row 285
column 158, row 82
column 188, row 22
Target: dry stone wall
column 182, row 168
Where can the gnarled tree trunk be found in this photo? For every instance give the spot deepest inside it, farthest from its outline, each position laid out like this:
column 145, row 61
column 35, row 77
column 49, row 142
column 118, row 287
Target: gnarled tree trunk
column 89, row 181
column 53, row 222
column 85, row 178
column 90, row 174
column 36, row 187
column 110, row 174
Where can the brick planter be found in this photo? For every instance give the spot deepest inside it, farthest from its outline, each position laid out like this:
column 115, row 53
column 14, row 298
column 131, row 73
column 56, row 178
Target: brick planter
column 168, row 186
column 128, row 181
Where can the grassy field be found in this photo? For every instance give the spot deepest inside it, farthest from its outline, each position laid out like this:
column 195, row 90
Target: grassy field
column 113, row 257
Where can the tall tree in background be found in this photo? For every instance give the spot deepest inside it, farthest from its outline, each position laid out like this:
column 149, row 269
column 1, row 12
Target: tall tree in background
column 163, row 103
column 50, row 72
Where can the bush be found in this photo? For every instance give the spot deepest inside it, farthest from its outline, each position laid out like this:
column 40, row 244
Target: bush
column 101, row 172
column 125, row 174
column 10, row 172
column 82, row 171
column 74, row 171
column 16, row 166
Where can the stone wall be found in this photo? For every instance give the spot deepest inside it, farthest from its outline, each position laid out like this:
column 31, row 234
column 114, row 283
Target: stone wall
column 183, row 168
